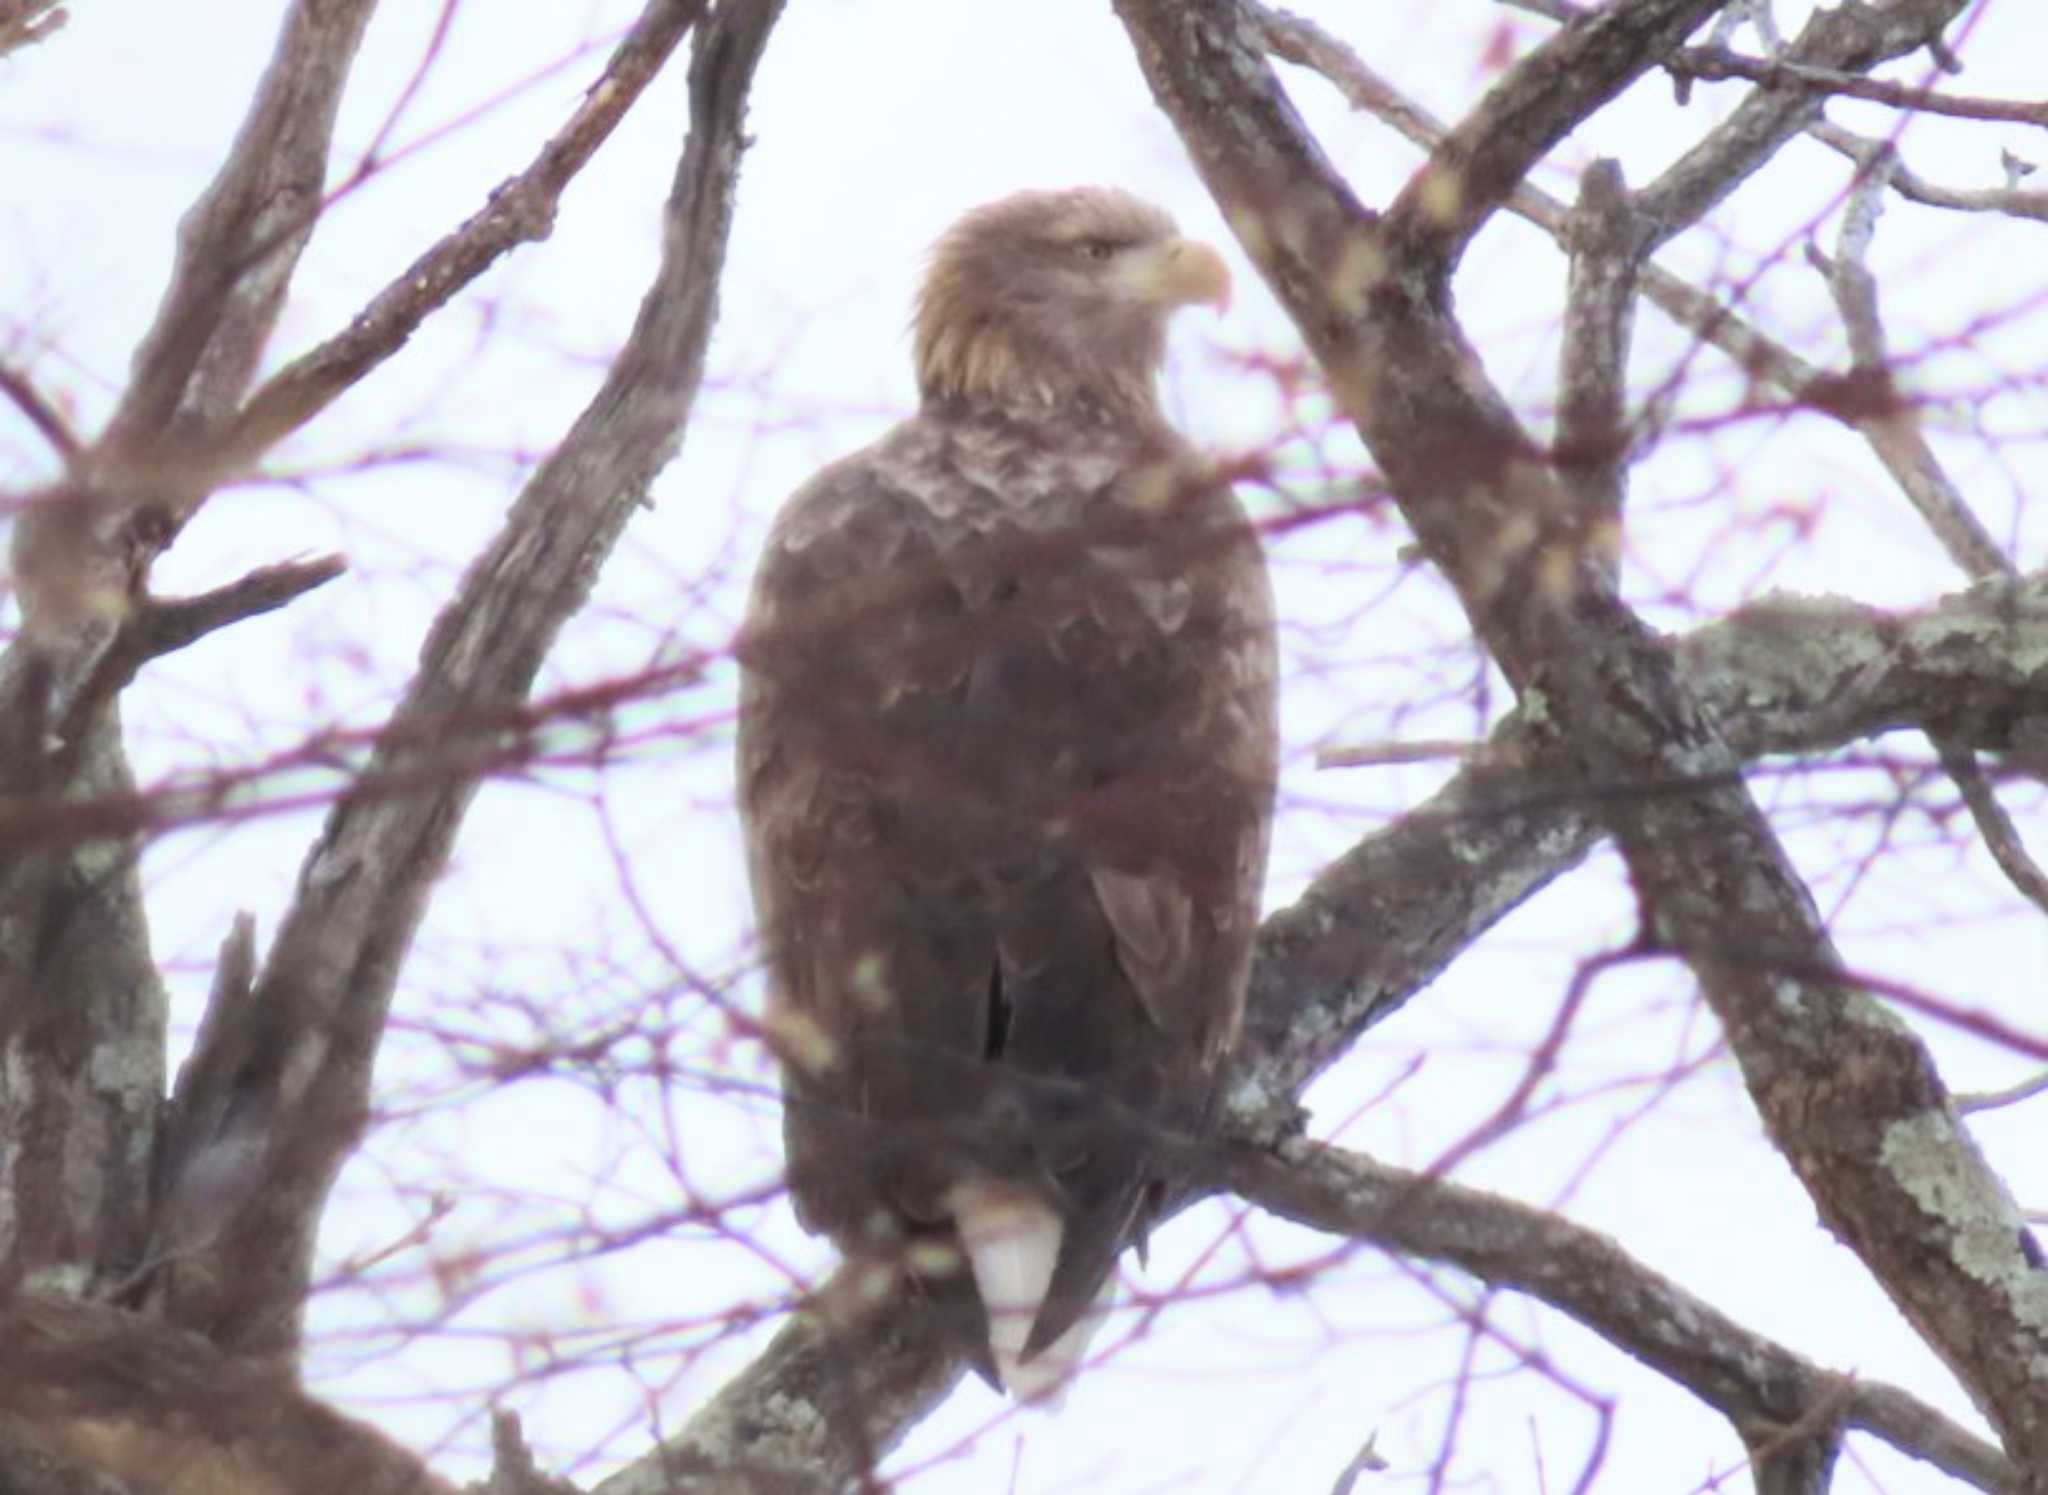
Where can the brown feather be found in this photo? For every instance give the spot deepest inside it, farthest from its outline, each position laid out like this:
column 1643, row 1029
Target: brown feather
column 1006, row 761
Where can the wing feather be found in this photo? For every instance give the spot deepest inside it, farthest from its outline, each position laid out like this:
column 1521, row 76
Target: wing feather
column 1006, row 758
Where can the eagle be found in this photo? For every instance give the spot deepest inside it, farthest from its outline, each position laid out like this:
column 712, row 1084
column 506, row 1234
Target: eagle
column 1006, row 761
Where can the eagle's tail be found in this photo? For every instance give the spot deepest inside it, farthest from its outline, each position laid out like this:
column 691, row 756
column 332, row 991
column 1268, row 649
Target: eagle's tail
column 1014, row 1241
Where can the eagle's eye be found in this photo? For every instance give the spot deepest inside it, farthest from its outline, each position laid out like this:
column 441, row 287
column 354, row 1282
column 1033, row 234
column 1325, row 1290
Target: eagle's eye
column 1098, row 249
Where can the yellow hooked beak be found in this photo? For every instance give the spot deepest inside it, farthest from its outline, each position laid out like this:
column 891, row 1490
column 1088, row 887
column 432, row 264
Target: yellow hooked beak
column 1182, row 272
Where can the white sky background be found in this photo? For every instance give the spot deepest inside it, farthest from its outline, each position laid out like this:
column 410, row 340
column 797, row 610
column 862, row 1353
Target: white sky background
column 876, row 123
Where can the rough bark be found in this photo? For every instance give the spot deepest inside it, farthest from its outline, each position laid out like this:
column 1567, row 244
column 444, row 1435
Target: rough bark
column 272, row 1106
column 81, row 1010
column 1846, row 1091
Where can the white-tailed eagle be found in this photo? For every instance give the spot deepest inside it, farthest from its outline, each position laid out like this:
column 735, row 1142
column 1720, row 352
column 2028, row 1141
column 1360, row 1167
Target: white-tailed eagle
column 1006, row 763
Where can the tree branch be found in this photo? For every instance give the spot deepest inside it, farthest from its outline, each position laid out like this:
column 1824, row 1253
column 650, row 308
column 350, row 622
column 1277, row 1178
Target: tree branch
column 1599, row 322
column 161, row 1409
column 1540, row 100
column 516, row 211
column 81, row 1005
column 1846, row 37
column 164, row 625
column 1846, row 1091
column 238, row 245
column 816, row 1411
column 1897, row 443
column 38, row 411
column 1760, row 1386
column 2001, row 836
column 1714, row 64
column 324, row 992
column 23, row 23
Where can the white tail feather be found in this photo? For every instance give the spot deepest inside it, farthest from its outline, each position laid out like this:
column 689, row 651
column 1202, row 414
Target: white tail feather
column 1012, row 1239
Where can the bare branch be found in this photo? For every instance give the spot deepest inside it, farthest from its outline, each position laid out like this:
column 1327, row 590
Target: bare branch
column 1847, row 1092
column 1599, row 322
column 2001, row 836
column 238, row 245
column 210, row 1161
column 1759, row 1385
column 327, row 985
column 1898, row 443
column 1716, row 64
column 2012, row 1095
column 1842, row 38
column 832, row 1394
column 1540, row 100
column 23, row 23
column 1887, row 419
column 38, row 411
column 2009, row 200
column 165, row 624
column 1386, row 754
column 519, row 210
column 159, row 1408
column 147, row 628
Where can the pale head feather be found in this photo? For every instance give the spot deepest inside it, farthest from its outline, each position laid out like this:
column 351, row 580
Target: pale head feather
column 1044, row 300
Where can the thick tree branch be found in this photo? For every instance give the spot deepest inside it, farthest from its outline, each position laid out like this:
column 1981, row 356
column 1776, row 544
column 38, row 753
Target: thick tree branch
column 1782, row 676
column 164, row 1411
column 324, row 991
column 817, row 1410
column 1847, row 1093
column 239, row 243
column 1760, row 1386
column 1541, row 99
column 1383, row 920
column 81, row 1007
column 23, row 23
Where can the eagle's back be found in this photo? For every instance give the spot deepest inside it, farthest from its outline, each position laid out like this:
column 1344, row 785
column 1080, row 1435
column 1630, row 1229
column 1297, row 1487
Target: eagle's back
column 1006, row 759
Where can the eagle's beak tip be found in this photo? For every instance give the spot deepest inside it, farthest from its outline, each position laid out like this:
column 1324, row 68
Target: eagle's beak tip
column 1195, row 273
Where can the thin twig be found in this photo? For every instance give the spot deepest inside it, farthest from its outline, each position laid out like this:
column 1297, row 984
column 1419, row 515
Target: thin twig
column 2010, row 199
column 1898, row 444
column 517, row 211
column 1713, row 64
column 1992, row 1100
column 2001, row 835
column 40, row 413
column 162, row 625
column 1387, row 754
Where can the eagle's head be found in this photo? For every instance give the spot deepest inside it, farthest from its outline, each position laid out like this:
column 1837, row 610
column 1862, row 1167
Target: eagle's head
column 1055, row 299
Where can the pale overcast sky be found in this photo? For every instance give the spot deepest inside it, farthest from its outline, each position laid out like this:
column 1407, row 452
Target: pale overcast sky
column 876, row 122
